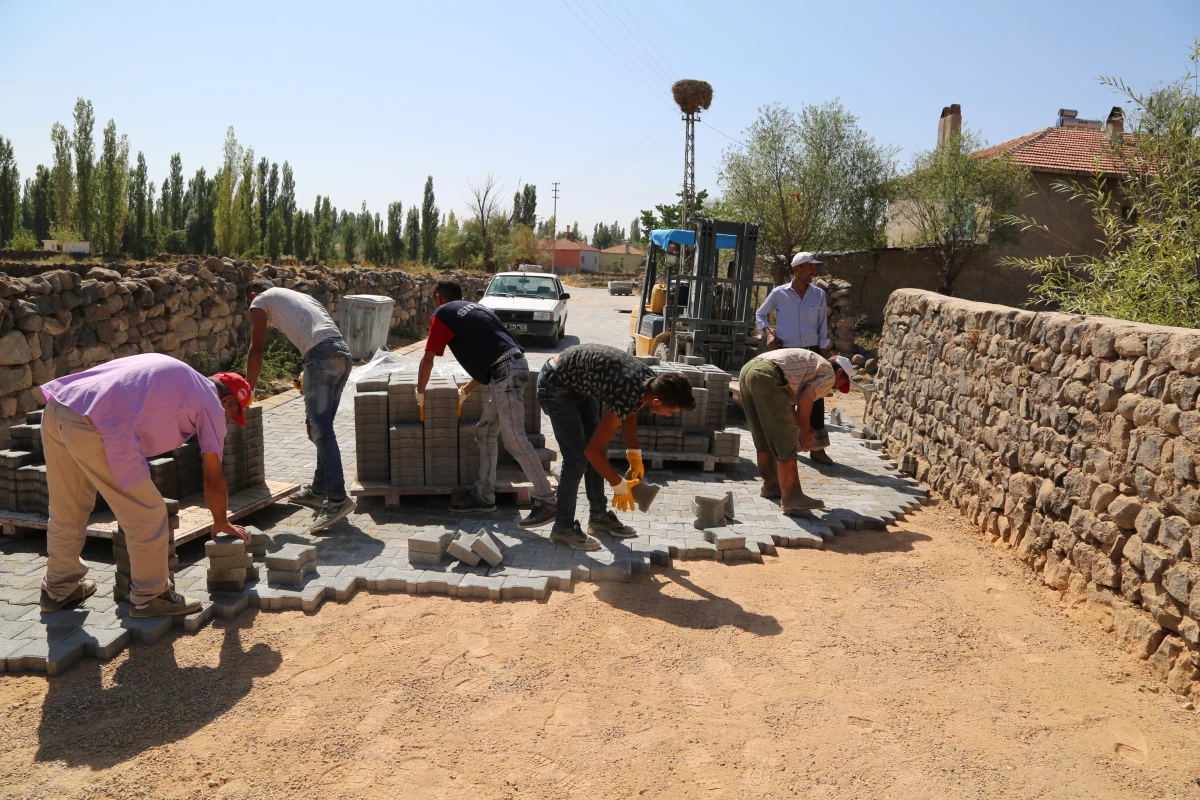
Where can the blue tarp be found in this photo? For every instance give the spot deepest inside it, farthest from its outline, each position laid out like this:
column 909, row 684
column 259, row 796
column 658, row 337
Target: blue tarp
column 663, row 237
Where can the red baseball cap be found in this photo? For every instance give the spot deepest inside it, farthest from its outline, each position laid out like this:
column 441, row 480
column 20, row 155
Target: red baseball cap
column 240, row 387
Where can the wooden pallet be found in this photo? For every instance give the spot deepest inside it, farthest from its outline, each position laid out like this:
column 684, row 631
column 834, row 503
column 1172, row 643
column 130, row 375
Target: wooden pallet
column 194, row 518
column 654, row 459
column 509, row 480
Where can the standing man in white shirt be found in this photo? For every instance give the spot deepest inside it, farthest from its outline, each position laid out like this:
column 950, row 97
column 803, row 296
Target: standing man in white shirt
column 801, row 320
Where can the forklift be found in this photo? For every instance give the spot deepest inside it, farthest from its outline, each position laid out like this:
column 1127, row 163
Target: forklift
column 706, row 311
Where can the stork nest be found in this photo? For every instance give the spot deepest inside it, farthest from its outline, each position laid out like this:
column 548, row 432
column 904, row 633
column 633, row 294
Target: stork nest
column 692, row 96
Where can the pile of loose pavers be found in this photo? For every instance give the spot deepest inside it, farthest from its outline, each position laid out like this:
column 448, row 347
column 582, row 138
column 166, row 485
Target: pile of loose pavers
column 424, row 549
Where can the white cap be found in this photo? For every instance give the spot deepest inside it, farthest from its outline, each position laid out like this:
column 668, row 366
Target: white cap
column 847, row 367
column 805, row 258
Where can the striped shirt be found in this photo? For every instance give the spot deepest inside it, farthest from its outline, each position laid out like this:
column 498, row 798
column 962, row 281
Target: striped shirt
column 802, row 368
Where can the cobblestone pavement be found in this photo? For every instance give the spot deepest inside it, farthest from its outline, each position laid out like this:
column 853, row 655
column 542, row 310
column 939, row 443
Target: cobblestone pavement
column 370, row 550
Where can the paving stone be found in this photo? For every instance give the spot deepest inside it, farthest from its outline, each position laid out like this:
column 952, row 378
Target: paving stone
column 39, row 655
column 461, row 548
column 480, row 586
column 147, row 630
column 725, row 541
column 224, row 545
column 487, row 548
column 291, row 577
column 194, row 622
column 292, row 557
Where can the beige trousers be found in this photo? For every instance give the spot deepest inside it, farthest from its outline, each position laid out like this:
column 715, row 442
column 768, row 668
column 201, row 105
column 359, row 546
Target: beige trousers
column 76, row 468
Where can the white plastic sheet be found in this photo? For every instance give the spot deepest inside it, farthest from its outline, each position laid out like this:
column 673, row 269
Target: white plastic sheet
column 384, row 363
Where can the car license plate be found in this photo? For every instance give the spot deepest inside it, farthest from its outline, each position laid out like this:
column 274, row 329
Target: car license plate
column 516, row 327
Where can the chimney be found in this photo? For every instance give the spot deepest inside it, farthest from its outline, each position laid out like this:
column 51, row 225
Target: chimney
column 1114, row 128
column 950, row 124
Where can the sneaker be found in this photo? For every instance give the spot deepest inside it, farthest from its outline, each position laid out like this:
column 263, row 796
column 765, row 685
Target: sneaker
column 307, row 497
column 608, row 523
column 473, row 504
column 574, row 538
column 168, row 604
column 331, row 513
column 83, row 591
column 819, row 457
column 541, row 513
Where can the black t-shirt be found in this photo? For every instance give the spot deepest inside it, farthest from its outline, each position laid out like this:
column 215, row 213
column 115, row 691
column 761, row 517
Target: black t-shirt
column 614, row 378
column 475, row 335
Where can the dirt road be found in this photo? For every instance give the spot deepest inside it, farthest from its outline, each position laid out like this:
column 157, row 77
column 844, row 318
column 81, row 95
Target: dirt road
column 911, row 663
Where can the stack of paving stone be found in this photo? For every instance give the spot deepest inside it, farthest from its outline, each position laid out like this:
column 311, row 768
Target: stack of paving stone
column 428, row 546
column 291, row 563
column 714, row 516
column 406, row 442
column 468, row 453
column 726, row 443
column 164, row 473
column 371, row 431
column 244, row 457
column 441, row 431
column 693, row 431
column 473, row 403
column 229, row 564
column 10, row 462
column 717, row 381
column 189, row 466
column 121, row 585
column 33, row 491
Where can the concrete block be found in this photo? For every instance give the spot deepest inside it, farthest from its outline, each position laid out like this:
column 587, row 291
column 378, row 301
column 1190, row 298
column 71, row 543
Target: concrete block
column 194, row 622
column 518, row 587
column 709, row 511
column 39, row 655
column 291, row 577
column 724, row 540
column 433, row 540
column 422, row 557
column 461, row 548
column 228, row 605
column 236, row 574
column 222, row 563
column 224, row 545
column 488, row 548
column 292, row 557
column 481, row 586
column 101, row 643
column 147, row 630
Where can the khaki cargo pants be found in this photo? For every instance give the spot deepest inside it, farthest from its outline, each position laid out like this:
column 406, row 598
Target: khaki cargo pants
column 76, row 468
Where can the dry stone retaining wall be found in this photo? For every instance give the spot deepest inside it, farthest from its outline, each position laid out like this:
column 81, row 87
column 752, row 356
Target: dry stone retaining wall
column 1072, row 440
column 61, row 321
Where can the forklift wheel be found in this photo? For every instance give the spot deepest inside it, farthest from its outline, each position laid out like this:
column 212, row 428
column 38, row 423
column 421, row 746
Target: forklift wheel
column 631, row 348
column 660, row 352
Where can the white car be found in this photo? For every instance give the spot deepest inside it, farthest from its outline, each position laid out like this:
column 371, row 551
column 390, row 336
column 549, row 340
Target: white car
column 530, row 304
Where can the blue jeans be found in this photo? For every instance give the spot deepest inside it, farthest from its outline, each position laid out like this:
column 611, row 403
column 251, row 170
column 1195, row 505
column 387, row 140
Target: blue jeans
column 326, row 370
column 504, row 417
column 574, row 418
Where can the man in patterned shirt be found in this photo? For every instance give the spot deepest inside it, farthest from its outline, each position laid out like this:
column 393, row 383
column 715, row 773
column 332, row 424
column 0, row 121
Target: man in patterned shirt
column 778, row 389
column 571, row 387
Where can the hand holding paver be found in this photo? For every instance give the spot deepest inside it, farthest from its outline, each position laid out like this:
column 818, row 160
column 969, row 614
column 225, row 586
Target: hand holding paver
column 636, row 468
column 623, row 496
column 229, row 529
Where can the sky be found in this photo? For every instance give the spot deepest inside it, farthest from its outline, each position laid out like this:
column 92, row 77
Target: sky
column 365, row 99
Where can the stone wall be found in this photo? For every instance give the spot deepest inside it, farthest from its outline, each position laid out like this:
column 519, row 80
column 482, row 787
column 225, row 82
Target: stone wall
column 1072, row 440
column 60, row 321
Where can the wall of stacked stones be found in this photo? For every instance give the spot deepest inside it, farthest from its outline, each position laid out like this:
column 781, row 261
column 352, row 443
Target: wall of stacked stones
column 1072, row 440
column 62, row 320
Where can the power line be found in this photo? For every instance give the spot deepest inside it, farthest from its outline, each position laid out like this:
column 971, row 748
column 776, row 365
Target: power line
column 636, row 74
column 632, row 60
column 726, row 135
column 648, row 59
column 648, row 40
column 643, row 151
column 653, row 130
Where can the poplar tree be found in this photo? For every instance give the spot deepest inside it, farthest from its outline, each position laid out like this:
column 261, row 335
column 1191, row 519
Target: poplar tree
column 85, row 164
column 174, row 200
column 151, row 222
column 264, row 206
column 112, row 190
column 349, row 238
column 287, row 207
column 62, row 176
column 227, row 179
column 136, row 227
column 246, row 239
column 429, row 224
column 395, row 232
column 412, row 233
column 10, row 191
column 528, row 215
column 43, row 203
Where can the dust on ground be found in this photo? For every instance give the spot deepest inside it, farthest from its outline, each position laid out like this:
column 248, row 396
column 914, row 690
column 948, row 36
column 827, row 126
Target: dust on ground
column 915, row 662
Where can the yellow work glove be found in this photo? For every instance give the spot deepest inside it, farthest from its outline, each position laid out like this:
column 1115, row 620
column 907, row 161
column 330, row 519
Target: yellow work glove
column 637, row 470
column 421, row 406
column 623, row 496
column 462, row 396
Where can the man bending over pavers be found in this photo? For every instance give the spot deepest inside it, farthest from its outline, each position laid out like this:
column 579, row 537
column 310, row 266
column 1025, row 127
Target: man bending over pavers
column 98, row 429
column 570, row 387
column 779, row 388
column 326, row 357
column 489, row 354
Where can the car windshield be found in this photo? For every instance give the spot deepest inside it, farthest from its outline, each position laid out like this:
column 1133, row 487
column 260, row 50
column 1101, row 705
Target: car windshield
column 522, row 286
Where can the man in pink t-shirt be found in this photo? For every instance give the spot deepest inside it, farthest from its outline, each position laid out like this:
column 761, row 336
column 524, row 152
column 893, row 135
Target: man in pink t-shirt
column 98, row 429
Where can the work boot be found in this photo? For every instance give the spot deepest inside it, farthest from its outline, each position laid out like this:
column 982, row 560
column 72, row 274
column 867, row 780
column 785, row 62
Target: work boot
column 83, row 591
column 820, row 457
column 608, row 523
column 541, row 513
column 307, row 497
column 331, row 513
column 574, row 538
column 767, row 469
column 794, row 498
column 168, row 604
column 473, row 504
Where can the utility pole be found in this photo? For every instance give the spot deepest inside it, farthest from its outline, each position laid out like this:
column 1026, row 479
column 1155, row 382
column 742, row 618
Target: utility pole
column 554, row 232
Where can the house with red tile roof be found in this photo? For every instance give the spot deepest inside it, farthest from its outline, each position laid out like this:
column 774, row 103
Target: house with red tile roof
column 1071, row 149
column 622, row 257
column 571, row 255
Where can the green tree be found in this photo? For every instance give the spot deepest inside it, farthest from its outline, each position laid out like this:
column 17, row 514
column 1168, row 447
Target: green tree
column 812, row 181
column 957, row 205
column 275, row 233
column 395, row 232
column 200, row 224
column 486, row 215
column 287, row 206
column 668, row 215
column 1149, row 225
column 246, row 239
column 173, row 195
column 302, row 234
column 528, row 216
column 85, row 164
column 429, row 224
column 10, row 192
column 135, row 228
column 635, row 233
column 42, row 197
column 63, row 176
column 450, row 244
column 412, row 233
column 349, row 238
column 324, row 239
column 263, row 204
column 112, row 190
column 151, row 238
column 227, row 178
